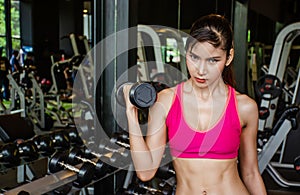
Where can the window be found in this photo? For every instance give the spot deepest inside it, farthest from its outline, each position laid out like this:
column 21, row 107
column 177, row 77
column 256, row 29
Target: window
column 2, row 27
column 14, row 23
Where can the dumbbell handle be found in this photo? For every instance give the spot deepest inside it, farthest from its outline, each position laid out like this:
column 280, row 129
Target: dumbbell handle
column 106, row 146
column 150, row 189
column 69, row 167
column 172, row 171
column 97, row 154
column 86, row 160
column 110, row 149
column 119, row 150
column 132, row 193
column 123, row 144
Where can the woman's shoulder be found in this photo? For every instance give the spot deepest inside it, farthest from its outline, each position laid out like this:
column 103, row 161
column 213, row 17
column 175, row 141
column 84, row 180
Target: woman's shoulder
column 246, row 104
column 167, row 93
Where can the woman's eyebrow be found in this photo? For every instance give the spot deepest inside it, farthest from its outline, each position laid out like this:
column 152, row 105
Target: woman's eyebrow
column 193, row 54
column 215, row 57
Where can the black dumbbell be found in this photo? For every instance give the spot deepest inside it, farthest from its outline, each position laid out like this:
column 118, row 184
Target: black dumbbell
column 76, row 156
column 134, row 189
column 47, row 144
column 61, row 140
column 85, row 173
column 115, row 159
column 142, row 95
column 145, row 188
column 121, row 139
column 74, row 137
column 28, row 150
column 106, row 147
column 92, row 152
column 44, row 144
column 165, row 172
column 9, row 154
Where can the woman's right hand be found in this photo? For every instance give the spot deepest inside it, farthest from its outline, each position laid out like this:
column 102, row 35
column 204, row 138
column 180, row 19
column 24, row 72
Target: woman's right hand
column 131, row 112
column 128, row 104
column 126, row 89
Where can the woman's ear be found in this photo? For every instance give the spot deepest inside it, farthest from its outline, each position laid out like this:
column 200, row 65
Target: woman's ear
column 230, row 57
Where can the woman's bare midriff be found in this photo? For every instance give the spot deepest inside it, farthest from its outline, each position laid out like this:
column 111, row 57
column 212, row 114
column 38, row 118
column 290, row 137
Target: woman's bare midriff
column 208, row 177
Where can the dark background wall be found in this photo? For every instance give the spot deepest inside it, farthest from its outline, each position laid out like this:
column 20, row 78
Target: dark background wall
column 165, row 12
column 44, row 23
column 283, row 11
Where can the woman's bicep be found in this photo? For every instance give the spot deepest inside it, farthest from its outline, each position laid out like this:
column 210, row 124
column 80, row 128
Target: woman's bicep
column 157, row 131
column 248, row 145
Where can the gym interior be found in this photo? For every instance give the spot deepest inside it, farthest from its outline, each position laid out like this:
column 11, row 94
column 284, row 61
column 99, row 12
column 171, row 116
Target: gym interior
column 63, row 128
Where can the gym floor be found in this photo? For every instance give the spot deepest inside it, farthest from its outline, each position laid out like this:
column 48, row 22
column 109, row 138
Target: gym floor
column 274, row 189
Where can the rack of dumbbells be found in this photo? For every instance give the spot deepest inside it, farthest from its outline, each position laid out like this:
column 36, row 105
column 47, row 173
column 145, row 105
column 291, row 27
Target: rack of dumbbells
column 164, row 182
column 59, row 163
column 24, row 161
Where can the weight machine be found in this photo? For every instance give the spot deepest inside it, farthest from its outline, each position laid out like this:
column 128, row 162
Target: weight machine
column 80, row 67
column 155, row 37
column 272, row 82
column 17, row 93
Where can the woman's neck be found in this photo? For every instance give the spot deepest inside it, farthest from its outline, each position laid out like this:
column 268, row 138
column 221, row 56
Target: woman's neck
column 216, row 89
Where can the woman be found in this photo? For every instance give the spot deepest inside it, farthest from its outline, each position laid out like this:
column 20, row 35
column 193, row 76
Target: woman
column 210, row 128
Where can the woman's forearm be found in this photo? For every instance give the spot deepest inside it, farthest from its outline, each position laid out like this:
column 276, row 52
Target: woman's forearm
column 140, row 153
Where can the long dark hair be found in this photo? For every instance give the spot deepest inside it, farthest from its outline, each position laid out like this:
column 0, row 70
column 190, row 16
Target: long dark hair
column 216, row 30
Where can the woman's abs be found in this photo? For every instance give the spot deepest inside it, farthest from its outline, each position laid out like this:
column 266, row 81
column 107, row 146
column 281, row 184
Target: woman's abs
column 208, row 177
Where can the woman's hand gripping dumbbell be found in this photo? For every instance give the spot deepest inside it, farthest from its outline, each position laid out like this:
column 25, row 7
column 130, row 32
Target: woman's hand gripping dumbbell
column 141, row 94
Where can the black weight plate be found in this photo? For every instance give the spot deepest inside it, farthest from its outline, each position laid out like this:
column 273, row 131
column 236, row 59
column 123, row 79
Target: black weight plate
column 142, row 95
column 297, row 164
column 268, row 87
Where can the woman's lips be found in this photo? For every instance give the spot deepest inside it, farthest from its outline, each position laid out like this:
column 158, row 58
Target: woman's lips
column 200, row 80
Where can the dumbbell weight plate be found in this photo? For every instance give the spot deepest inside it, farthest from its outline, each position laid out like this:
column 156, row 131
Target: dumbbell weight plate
column 120, row 95
column 44, row 144
column 74, row 137
column 10, row 154
column 28, row 150
column 72, row 160
column 264, row 113
column 120, row 136
column 165, row 171
column 142, row 95
column 85, row 175
column 54, row 161
column 268, row 87
column 101, row 168
column 61, row 139
column 297, row 164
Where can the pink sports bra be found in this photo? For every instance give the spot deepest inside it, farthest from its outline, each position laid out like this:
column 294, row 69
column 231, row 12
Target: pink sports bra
column 219, row 142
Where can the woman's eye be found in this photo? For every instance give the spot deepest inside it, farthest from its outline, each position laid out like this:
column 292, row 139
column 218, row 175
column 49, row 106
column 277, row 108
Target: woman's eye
column 212, row 60
column 194, row 57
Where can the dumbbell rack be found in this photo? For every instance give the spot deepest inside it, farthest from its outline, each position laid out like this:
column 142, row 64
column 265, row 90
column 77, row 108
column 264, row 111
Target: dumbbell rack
column 14, row 176
column 52, row 182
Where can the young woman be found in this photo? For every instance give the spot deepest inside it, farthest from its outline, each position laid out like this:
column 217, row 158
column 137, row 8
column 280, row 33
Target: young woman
column 210, row 128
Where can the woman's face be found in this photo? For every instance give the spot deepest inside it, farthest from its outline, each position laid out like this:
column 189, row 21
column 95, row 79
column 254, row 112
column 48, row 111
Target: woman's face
column 206, row 63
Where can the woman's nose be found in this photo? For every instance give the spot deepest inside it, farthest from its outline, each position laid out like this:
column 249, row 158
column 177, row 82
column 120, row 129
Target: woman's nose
column 201, row 68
